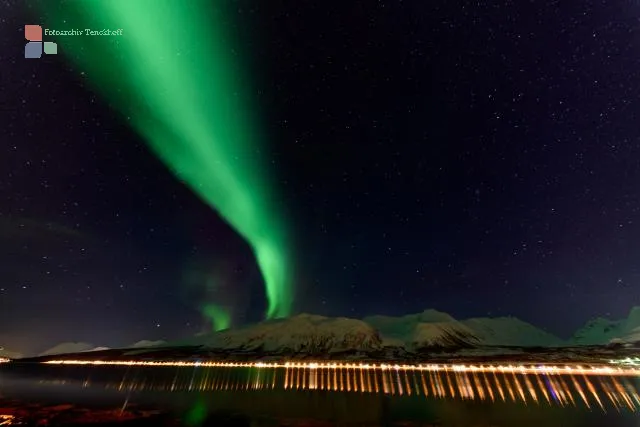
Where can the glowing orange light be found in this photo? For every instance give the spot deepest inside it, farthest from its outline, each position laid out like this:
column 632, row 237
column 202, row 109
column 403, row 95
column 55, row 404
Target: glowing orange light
column 6, row 420
column 604, row 370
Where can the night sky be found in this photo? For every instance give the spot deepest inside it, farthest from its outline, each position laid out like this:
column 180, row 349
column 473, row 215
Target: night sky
column 479, row 158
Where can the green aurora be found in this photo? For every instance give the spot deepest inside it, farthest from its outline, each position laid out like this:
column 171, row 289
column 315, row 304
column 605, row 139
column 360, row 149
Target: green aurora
column 176, row 78
column 220, row 317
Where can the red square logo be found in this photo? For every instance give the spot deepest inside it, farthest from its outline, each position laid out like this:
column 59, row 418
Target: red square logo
column 33, row 33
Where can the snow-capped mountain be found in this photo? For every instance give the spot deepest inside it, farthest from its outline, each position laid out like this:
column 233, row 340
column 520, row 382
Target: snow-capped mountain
column 442, row 335
column 633, row 320
column 83, row 347
column 301, row 333
column 429, row 329
column 433, row 328
column 597, row 331
column 148, row 344
column 602, row 331
column 403, row 327
column 510, row 331
column 70, row 347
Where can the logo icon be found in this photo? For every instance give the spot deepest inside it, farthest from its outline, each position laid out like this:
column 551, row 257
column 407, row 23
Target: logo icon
column 35, row 45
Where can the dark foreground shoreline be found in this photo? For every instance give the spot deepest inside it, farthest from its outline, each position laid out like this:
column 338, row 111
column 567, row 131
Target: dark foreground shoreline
column 14, row 412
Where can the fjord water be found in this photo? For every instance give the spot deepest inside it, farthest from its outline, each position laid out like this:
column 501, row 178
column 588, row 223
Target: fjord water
column 339, row 396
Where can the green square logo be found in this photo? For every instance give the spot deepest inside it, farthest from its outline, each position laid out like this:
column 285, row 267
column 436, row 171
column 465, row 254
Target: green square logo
column 50, row 48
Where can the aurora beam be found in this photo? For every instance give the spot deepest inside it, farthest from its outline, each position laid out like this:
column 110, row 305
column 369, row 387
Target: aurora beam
column 219, row 316
column 174, row 75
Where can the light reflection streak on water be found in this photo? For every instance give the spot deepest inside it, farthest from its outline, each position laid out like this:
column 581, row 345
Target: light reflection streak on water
column 7, row 419
column 553, row 385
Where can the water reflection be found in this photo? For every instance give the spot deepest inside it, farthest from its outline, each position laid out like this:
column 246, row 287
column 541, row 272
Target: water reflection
column 547, row 387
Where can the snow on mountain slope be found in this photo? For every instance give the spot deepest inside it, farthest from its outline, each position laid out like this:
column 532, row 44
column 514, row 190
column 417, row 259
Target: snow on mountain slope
column 147, row 344
column 68, row 347
column 631, row 337
column 304, row 332
column 630, row 328
column 598, row 331
column 403, row 327
column 427, row 329
column 633, row 320
column 510, row 331
column 602, row 331
column 442, row 334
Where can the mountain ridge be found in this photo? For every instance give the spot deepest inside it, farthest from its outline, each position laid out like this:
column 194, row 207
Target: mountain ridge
column 600, row 330
column 429, row 330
